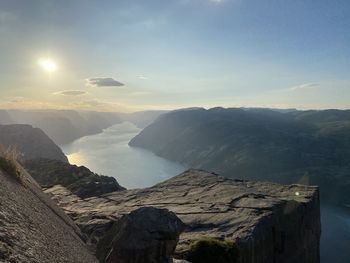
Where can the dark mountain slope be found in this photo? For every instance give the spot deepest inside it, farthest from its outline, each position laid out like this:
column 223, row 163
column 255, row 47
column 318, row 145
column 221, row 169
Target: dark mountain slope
column 258, row 144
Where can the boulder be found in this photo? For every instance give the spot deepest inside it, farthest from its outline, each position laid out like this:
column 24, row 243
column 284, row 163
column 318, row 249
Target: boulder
column 146, row 235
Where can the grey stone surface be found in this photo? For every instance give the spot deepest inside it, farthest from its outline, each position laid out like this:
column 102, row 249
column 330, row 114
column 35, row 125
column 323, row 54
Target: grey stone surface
column 269, row 222
column 33, row 228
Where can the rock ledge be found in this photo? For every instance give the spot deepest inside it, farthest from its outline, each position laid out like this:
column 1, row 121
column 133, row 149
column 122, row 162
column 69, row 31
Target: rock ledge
column 269, row 222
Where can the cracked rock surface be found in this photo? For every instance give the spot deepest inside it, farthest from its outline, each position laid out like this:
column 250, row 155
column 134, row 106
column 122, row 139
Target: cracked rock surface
column 269, row 222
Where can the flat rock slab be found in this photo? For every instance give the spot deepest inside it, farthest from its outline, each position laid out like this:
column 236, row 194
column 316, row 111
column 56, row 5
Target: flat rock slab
column 269, row 222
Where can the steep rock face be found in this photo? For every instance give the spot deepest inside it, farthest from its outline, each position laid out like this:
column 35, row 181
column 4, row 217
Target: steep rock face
column 78, row 179
column 31, row 142
column 33, row 229
column 145, row 235
column 268, row 222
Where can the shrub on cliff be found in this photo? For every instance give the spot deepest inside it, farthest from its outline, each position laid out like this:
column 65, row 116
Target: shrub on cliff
column 210, row 250
column 8, row 162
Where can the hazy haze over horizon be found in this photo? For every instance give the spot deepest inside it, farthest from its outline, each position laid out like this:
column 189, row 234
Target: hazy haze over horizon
column 131, row 55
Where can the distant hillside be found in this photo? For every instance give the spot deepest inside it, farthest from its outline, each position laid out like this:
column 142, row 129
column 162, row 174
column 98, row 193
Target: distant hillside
column 65, row 126
column 31, row 142
column 142, row 118
column 310, row 147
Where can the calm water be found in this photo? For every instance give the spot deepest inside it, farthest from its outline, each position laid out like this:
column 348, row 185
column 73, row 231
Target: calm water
column 108, row 153
column 335, row 239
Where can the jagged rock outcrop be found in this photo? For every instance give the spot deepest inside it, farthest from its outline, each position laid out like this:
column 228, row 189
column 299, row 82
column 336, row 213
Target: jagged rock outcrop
column 268, row 222
column 78, row 179
column 145, row 235
column 31, row 142
column 32, row 228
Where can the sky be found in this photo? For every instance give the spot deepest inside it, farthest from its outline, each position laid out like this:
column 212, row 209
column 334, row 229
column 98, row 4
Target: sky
column 117, row 55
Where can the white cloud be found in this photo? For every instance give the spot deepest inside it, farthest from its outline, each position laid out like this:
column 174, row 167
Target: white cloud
column 142, row 77
column 306, row 86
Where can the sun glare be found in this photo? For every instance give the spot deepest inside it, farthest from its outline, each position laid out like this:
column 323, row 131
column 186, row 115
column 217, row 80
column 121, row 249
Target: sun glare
column 48, row 65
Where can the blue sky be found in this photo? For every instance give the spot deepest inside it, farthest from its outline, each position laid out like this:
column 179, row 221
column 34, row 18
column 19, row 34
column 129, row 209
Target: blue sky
column 175, row 53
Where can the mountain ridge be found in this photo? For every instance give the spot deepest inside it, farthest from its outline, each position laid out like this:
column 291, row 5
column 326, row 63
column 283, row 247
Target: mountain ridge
column 308, row 147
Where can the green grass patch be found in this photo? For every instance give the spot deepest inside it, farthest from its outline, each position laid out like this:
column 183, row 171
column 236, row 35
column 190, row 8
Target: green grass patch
column 209, row 250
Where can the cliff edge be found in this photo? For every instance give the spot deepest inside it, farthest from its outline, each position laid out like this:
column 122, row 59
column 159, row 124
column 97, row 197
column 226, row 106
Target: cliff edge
column 267, row 222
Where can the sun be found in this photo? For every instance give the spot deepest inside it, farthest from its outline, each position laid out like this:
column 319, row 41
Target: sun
column 48, row 65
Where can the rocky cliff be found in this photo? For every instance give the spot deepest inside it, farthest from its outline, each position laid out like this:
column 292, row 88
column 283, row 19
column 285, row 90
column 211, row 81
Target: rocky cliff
column 31, row 142
column 78, row 179
column 32, row 228
column 267, row 222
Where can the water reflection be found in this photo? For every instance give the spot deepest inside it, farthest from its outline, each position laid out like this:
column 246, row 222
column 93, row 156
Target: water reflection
column 108, row 153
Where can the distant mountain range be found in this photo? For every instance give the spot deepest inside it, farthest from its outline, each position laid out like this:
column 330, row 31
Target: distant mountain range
column 307, row 147
column 65, row 126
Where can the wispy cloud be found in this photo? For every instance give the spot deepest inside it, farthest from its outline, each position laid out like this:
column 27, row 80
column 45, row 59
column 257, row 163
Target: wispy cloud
column 71, row 93
column 142, row 77
column 103, row 82
column 305, row 86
